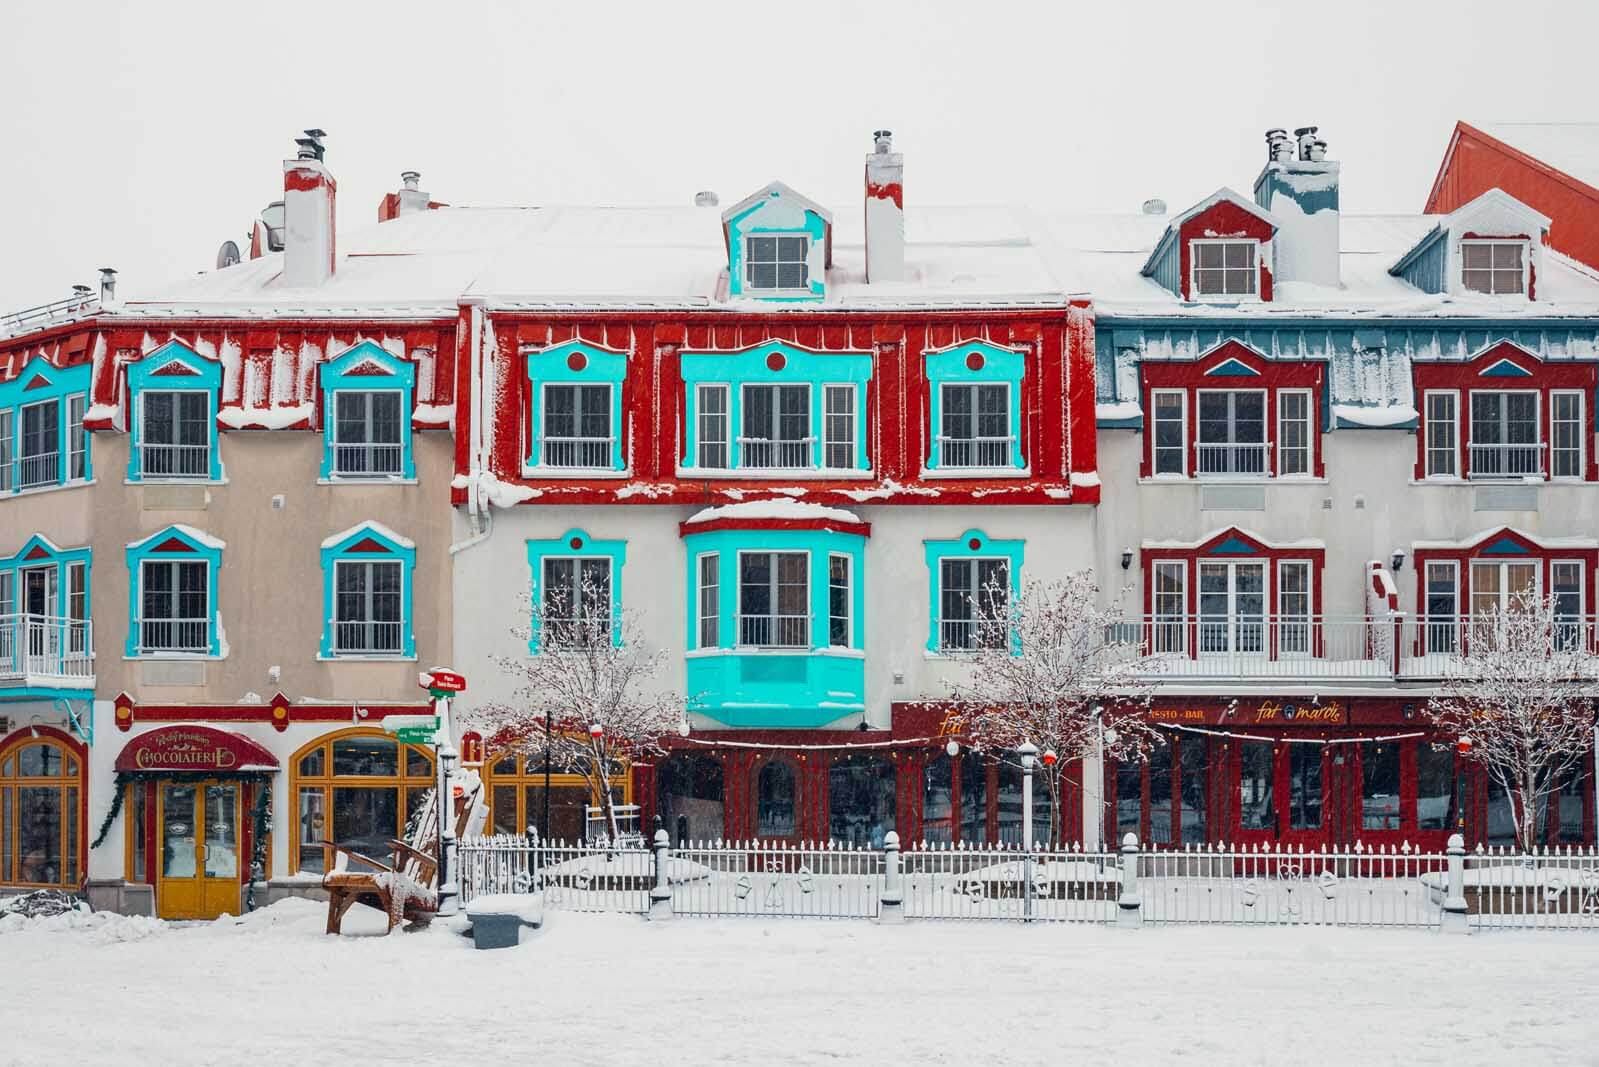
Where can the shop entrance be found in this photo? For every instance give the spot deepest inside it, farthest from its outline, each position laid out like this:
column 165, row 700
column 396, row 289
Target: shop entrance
column 197, row 827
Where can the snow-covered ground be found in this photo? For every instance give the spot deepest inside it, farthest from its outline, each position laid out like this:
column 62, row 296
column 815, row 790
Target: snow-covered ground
column 603, row 989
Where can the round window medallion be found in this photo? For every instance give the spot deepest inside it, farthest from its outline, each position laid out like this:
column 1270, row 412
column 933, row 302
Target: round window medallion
column 776, row 361
column 577, row 361
column 974, row 361
column 576, row 542
column 974, row 544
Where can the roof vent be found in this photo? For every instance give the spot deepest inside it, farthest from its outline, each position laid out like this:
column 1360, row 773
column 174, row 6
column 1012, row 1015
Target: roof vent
column 1279, row 149
column 81, row 292
column 706, row 198
column 108, row 285
column 311, row 144
column 883, row 141
column 411, row 179
column 1306, row 135
column 1154, row 206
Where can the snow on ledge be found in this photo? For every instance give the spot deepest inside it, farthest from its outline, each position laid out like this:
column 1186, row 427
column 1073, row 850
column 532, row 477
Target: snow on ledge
column 433, row 414
column 1302, row 543
column 241, row 418
column 1384, row 417
column 199, row 537
column 1119, row 412
column 371, row 527
column 773, row 509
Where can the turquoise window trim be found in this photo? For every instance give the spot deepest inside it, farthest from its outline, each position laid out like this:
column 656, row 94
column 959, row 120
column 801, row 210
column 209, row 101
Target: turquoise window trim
column 950, row 366
column 555, row 366
column 973, row 544
column 392, row 550
column 150, row 550
column 48, row 382
column 205, row 376
column 800, row 366
column 757, row 221
column 576, row 544
column 397, row 375
column 59, row 558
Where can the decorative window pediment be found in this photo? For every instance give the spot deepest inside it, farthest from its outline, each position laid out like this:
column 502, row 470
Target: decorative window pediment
column 172, row 398
column 367, row 574
column 367, row 396
column 974, row 410
column 576, row 409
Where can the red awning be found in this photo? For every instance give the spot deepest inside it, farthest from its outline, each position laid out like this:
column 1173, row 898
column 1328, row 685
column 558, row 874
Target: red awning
column 195, row 749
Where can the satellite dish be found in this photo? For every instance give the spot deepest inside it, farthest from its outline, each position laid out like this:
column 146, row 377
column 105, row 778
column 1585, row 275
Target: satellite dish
column 227, row 255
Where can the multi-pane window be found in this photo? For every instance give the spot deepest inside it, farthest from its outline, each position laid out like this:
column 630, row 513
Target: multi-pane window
column 1170, row 425
column 1170, row 599
column 41, row 445
column 1257, row 766
column 1379, row 785
column 174, row 606
column 975, row 429
column 77, row 608
column 1504, row 434
column 367, row 609
column 711, row 411
column 1293, row 608
column 1565, row 434
column 1232, row 606
column 838, row 601
column 576, row 601
column 1492, row 266
column 175, row 438
column 1304, row 787
column 7, row 458
column 1443, row 604
column 774, row 599
column 1224, row 268
column 577, row 426
column 368, row 433
column 776, row 430
column 838, row 421
column 77, row 439
column 710, row 592
column 974, row 603
column 1293, row 432
column 1565, row 586
column 1442, row 435
column 1498, row 586
column 1232, row 432
column 777, row 262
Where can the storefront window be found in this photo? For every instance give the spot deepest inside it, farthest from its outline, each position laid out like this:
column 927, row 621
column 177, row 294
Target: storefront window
column 1572, row 797
column 1010, row 805
column 1165, row 799
column 137, row 856
column 690, row 797
column 1435, row 787
column 1501, row 815
column 517, row 800
column 1304, row 787
column 1379, row 785
column 1256, row 805
column 776, row 801
column 363, row 803
column 860, row 800
column 974, row 798
column 1195, row 785
column 1160, row 766
column 1129, row 799
column 938, row 801
column 39, row 789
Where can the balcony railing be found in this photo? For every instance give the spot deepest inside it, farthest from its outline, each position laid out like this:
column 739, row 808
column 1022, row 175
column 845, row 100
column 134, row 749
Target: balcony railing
column 1231, row 460
column 175, row 461
column 367, row 461
column 368, row 638
column 1507, row 461
column 41, row 468
column 47, row 646
column 774, row 631
column 763, row 452
column 974, row 451
column 581, row 452
column 174, row 635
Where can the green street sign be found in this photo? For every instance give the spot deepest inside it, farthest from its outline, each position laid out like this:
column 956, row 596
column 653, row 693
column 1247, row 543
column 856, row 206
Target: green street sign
column 417, row 735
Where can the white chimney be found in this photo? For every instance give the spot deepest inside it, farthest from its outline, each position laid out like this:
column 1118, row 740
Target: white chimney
column 412, row 198
column 885, row 211
column 108, row 287
column 308, row 196
column 1301, row 190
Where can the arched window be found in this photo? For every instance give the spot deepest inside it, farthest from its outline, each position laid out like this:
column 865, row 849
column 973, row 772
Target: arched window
column 517, row 800
column 776, row 801
column 860, row 800
column 40, row 783
column 690, row 796
column 368, row 782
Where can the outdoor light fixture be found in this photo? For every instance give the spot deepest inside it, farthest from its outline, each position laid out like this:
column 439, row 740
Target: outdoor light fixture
column 1398, row 560
column 1127, row 558
column 1111, row 737
column 1410, row 712
column 953, row 748
column 1050, row 757
column 683, row 728
column 596, row 731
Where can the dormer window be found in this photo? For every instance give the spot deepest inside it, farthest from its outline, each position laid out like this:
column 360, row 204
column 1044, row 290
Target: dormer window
column 1224, row 268
column 777, row 263
column 1496, row 267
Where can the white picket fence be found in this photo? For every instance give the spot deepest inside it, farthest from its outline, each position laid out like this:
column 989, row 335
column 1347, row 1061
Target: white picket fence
column 1129, row 886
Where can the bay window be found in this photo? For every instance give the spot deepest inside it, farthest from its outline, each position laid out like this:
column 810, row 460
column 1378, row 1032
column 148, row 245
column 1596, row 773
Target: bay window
column 838, row 601
column 42, row 439
column 710, row 600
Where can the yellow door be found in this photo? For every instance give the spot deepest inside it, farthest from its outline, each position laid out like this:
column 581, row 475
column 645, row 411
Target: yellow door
column 199, row 875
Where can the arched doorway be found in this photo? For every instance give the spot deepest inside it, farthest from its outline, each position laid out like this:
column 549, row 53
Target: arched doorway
column 41, row 788
column 689, row 796
column 860, row 800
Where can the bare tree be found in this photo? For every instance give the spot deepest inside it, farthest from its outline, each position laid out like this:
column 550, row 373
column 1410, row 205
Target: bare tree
column 1520, row 694
column 588, row 694
column 1054, row 668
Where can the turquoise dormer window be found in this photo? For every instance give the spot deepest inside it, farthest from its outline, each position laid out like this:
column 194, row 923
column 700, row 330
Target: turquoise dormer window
column 42, row 441
column 974, row 395
column 172, row 405
column 172, row 594
column 367, row 574
column 775, row 407
column 576, row 409
column 577, row 584
column 44, row 610
column 778, row 246
column 972, row 581
column 366, row 416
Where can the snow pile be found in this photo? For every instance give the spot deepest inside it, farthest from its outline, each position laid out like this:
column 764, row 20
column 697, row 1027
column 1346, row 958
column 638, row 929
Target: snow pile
column 98, row 927
column 41, row 903
column 773, row 509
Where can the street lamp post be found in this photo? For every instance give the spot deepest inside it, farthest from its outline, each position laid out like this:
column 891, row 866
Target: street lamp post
column 544, row 826
column 1029, row 754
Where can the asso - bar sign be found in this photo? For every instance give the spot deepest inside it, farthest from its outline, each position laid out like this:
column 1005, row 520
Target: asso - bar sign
column 441, row 683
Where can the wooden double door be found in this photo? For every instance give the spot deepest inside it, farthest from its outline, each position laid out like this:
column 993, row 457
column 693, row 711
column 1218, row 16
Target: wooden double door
column 198, row 842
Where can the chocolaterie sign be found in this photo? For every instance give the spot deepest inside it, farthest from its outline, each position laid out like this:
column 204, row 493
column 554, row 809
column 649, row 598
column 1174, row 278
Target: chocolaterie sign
column 191, row 749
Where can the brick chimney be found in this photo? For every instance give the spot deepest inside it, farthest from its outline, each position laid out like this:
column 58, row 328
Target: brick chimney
column 308, row 195
column 408, row 201
column 1299, row 185
column 885, row 211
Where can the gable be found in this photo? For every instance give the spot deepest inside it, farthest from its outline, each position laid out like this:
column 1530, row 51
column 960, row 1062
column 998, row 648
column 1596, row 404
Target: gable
column 367, row 544
column 173, row 544
column 1505, row 359
column 1505, row 545
column 38, row 381
column 1232, row 368
column 1504, row 368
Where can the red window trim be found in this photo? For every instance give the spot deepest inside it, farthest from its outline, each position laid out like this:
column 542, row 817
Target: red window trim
column 1464, row 557
column 1225, row 220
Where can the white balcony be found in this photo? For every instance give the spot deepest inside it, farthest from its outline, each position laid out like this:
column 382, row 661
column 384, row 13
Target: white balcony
column 45, row 650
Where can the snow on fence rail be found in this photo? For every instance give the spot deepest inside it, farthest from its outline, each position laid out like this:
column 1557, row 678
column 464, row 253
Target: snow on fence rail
column 1131, row 885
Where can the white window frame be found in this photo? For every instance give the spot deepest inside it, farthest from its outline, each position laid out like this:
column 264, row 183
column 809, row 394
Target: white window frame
column 1555, row 396
column 59, row 455
column 1427, row 447
column 1579, row 620
column 335, row 444
column 1265, row 445
column 1294, row 633
column 1234, row 621
column 973, row 594
column 976, row 441
column 1502, row 566
column 851, row 419
column 1309, row 447
column 368, row 600
column 208, row 620
column 1183, row 445
column 576, row 607
column 204, row 474
column 777, row 442
column 849, row 600
column 77, row 613
column 707, row 616
column 1194, row 293
column 8, row 446
column 577, row 442
column 1164, row 623
column 1491, row 243
column 725, row 441
column 774, row 586
column 1449, row 624
column 1536, row 449
column 778, row 262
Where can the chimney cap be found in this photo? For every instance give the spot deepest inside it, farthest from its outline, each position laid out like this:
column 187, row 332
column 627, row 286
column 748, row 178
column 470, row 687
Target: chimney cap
column 883, row 140
column 311, row 146
column 81, row 290
column 411, row 179
column 706, row 198
column 108, row 272
column 1302, row 130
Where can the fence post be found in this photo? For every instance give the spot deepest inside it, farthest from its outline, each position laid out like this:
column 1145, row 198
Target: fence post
column 1454, row 916
column 1130, row 904
column 893, row 902
column 661, row 893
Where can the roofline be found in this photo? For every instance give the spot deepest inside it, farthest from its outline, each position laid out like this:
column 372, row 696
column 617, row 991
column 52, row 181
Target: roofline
column 1542, row 166
column 1227, row 193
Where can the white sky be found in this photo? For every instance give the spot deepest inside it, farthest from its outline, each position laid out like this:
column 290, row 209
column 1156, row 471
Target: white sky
column 141, row 135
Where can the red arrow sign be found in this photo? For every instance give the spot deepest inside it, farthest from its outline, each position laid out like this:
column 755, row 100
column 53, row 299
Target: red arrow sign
column 444, row 681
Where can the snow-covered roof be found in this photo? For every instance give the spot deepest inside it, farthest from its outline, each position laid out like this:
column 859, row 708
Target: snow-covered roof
column 1570, row 147
column 369, row 526
column 1174, row 223
column 782, row 508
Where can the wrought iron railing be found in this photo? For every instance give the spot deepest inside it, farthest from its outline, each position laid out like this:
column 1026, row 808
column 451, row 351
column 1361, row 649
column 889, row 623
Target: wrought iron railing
column 368, row 638
column 784, row 454
column 774, row 631
column 174, row 461
column 41, row 468
column 45, row 645
column 974, row 451
column 368, row 461
column 173, row 635
column 1507, row 461
column 581, row 452
column 1231, row 460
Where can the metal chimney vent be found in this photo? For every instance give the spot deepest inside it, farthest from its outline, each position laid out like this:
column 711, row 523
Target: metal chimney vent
column 272, row 219
column 1154, row 206
column 311, row 146
column 883, row 141
column 706, row 198
column 411, row 179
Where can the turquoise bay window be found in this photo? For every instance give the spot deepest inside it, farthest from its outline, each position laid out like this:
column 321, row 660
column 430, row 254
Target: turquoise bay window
column 172, row 594
column 576, row 408
column 775, row 625
column 577, row 581
column 366, row 416
column 972, row 580
column 42, row 440
column 775, row 407
column 974, row 396
column 172, row 405
column 367, row 611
